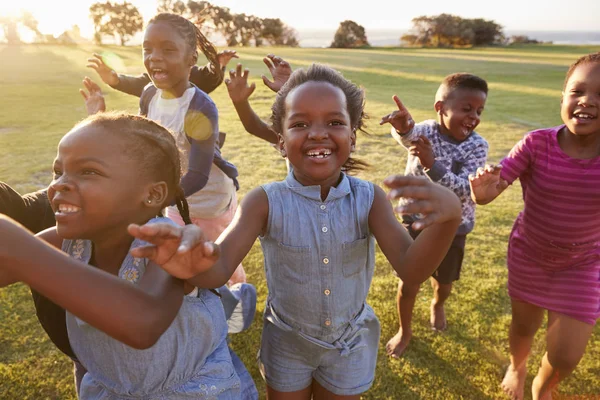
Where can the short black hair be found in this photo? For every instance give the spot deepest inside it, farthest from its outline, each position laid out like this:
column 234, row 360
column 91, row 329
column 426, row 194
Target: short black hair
column 587, row 59
column 460, row 80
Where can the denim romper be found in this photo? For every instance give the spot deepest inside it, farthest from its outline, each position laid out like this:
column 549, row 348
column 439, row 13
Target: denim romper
column 319, row 260
column 190, row 360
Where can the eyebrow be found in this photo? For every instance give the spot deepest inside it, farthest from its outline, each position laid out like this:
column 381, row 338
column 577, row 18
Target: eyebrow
column 84, row 160
column 164, row 42
column 333, row 114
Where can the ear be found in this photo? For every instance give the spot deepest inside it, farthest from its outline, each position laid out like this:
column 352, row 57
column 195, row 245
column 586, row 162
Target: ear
column 156, row 194
column 438, row 107
column 562, row 96
column 281, row 146
column 353, row 140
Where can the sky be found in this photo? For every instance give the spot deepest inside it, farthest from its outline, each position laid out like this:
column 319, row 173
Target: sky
column 54, row 16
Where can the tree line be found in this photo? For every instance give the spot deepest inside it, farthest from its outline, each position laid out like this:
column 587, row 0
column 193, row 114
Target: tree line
column 123, row 20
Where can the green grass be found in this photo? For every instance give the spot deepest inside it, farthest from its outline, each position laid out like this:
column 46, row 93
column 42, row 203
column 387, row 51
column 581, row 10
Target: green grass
column 39, row 103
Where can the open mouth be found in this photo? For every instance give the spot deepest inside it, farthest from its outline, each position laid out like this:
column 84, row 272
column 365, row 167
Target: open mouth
column 583, row 116
column 319, row 153
column 65, row 209
column 159, row 74
column 467, row 129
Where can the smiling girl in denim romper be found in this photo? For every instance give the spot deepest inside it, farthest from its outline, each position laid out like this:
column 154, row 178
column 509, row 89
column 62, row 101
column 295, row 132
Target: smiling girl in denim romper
column 317, row 231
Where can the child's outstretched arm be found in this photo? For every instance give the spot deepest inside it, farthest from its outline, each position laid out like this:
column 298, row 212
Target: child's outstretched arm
column 207, row 78
column 94, row 99
column 415, row 261
column 280, row 71
column 136, row 315
column 240, row 92
column 204, row 264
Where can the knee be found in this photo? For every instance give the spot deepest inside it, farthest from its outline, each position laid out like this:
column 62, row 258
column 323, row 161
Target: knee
column 442, row 290
column 524, row 327
column 563, row 360
column 408, row 290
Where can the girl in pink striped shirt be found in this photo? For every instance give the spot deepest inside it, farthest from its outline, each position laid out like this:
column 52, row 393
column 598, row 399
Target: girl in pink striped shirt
column 554, row 247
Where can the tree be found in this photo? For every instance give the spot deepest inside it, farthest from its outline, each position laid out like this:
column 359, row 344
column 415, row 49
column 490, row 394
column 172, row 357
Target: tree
column 446, row 30
column 171, row 6
column 276, row 33
column 116, row 19
column 11, row 33
column 349, row 34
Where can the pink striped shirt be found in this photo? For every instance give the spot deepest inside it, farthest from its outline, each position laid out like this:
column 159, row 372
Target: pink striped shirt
column 561, row 194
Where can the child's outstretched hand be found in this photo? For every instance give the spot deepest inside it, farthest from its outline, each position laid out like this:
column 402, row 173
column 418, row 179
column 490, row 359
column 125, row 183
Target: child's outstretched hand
column 237, row 85
column 400, row 119
column 487, row 184
column 438, row 203
column 181, row 251
column 94, row 99
column 107, row 74
column 280, row 71
column 422, row 148
column 225, row 56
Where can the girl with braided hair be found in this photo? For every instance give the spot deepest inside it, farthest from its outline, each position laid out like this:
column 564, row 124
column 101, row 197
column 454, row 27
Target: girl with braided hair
column 170, row 49
column 139, row 332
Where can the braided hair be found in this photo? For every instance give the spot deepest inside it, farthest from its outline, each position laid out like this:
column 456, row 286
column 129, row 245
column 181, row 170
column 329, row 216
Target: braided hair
column 153, row 148
column 192, row 35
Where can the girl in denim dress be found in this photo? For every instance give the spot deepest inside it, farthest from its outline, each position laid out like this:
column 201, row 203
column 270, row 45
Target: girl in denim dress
column 317, row 229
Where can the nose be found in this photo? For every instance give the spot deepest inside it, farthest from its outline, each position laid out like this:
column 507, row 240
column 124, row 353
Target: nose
column 60, row 184
column 318, row 132
column 155, row 55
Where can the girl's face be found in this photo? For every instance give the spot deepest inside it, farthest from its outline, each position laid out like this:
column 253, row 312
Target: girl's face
column 317, row 133
column 95, row 192
column 580, row 105
column 167, row 58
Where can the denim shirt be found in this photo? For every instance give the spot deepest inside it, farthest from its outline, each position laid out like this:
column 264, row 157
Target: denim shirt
column 190, row 360
column 319, row 255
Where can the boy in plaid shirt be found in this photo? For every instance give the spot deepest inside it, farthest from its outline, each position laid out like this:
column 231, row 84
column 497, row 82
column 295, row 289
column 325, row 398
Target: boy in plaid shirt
column 445, row 151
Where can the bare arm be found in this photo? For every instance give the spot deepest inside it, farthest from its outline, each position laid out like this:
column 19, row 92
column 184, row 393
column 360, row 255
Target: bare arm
column 415, row 261
column 89, row 293
column 240, row 92
column 486, row 184
column 202, row 263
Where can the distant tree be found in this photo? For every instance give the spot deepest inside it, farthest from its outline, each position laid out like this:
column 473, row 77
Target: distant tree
column 171, row 6
column 276, row 33
column 522, row 39
column 28, row 21
column 349, row 34
column 446, row 30
column 10, row 28
column 116, row 19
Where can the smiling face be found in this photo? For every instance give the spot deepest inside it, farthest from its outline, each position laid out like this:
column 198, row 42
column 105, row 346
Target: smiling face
column 580, row 105
column 461, row 112
column 95, row 192
column 167, row 58
column 317, row 133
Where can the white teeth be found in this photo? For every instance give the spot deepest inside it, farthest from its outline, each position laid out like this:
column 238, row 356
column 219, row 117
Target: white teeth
column 319, row 153
column 67, row 208
column 584, row 116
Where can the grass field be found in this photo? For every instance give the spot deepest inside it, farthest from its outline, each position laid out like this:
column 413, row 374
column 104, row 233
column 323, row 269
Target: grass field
column 39, row 103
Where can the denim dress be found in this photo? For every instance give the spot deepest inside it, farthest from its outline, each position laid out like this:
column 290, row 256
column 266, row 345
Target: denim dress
column 191, row 359
column 319, row 261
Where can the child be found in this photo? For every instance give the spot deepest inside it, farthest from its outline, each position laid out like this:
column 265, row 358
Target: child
column 445, row 151
column 170, row 51
column 554, row 247
column 129, row 323
column 316, row 229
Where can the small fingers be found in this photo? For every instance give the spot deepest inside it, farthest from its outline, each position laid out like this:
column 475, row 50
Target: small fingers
column 416, row 207
column 399, row 103
column 84, row 94
column 394, row 181
column 410, row 192
column 238, row 70
column 190, row 237
column 149, row 252
column 245, row 73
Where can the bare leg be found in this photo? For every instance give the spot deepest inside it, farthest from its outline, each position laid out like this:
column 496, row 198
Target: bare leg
column 441, row 292
column 304, row 394
column 526, row 320
column 566, row 341
column 320, row 393
column 405, row 303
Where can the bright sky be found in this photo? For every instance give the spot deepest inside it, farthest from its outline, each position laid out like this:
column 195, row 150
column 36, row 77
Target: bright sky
column 55, row 16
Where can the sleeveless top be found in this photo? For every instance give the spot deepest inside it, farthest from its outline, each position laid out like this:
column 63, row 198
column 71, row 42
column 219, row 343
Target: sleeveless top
column 190, row 360
column 318, row 255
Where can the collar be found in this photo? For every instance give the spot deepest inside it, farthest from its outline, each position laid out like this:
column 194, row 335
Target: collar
column 314, row 192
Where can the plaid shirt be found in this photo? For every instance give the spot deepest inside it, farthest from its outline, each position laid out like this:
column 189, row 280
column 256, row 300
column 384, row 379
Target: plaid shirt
column 454, row 161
